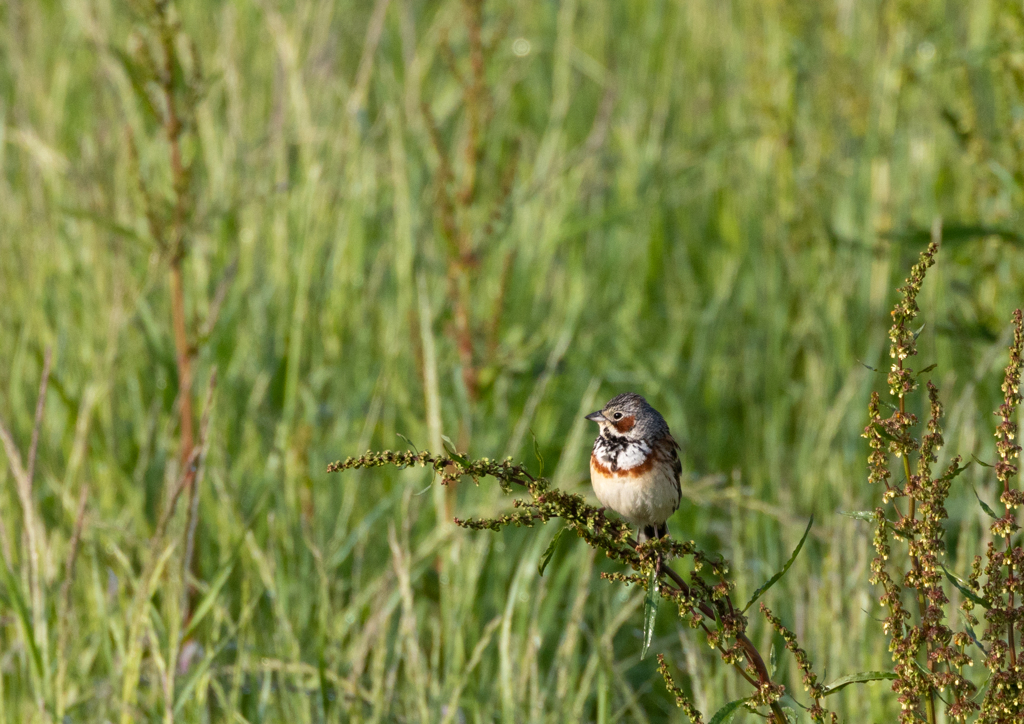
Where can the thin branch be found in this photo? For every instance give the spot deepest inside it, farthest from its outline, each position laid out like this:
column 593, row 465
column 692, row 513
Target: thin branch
column 590, row 524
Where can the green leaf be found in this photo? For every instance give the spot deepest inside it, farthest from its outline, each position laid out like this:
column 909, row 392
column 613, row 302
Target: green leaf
column 980, row 462
column 548, row 552
column 961, row 585
column 884, row 433
column 650, row 609
column 970, row 630
column 718, row 618
column 858, row 514
column 956, row 472
column 860, row 678
column 26, row 619
column 873, row 369
column 929, row 368
column 984, row 505
column 775, row 579
column 726, row 713
column 787, row 698
column 536, row 453
column 449, row 447
column 409, row 442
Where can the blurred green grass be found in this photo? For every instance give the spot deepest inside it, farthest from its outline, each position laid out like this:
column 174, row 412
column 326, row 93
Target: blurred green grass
column 726, row 240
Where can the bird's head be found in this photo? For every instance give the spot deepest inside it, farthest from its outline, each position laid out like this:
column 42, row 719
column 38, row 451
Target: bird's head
column 629, row 416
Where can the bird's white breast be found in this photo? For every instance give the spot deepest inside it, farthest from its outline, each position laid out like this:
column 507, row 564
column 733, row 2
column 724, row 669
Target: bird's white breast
column 622, row 457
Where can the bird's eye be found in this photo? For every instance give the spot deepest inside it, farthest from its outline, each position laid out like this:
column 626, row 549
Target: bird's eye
column 617, row 416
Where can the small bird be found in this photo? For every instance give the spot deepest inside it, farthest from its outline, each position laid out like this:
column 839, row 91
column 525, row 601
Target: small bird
column 635, row 464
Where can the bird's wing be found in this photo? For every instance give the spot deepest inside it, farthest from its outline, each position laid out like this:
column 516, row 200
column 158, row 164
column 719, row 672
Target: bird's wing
column 672, row 447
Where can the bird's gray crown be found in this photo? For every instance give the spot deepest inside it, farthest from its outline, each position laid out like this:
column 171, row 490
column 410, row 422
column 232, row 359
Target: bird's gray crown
column 629, row 402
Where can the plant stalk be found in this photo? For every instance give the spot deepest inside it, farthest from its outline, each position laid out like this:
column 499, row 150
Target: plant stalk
column 915, row 563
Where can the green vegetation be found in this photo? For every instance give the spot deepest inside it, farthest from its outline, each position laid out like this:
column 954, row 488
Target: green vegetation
column 429, row 219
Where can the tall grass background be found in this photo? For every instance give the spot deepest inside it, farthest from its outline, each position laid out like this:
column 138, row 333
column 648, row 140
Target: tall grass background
column 712, row 205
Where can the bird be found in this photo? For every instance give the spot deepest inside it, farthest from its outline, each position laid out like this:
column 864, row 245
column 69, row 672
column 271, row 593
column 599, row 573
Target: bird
column 634, row 466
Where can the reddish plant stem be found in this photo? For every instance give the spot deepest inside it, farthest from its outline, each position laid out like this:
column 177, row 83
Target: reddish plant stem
column 184, row 363
column 176, row 243
column 473, row 92
column 751, row 652
column 1009, row 585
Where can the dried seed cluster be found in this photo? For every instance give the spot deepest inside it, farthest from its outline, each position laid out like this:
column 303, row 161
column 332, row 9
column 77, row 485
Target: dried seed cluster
column 929, row 657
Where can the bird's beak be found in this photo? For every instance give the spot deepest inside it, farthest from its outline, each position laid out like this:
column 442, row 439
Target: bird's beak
column 596, row 417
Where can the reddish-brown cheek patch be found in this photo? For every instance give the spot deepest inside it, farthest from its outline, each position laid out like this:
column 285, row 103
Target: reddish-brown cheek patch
column 625, row 424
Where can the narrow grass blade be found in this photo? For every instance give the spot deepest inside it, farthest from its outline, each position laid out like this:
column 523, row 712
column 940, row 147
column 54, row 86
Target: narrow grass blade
column 200, row 670
column 18, row 601
column 211, row 595
column 197, row 673
column 861, row 678
column 775, row 579
column 321, row 670
column 650, row 609
column 365, row 525
column 726, row 713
